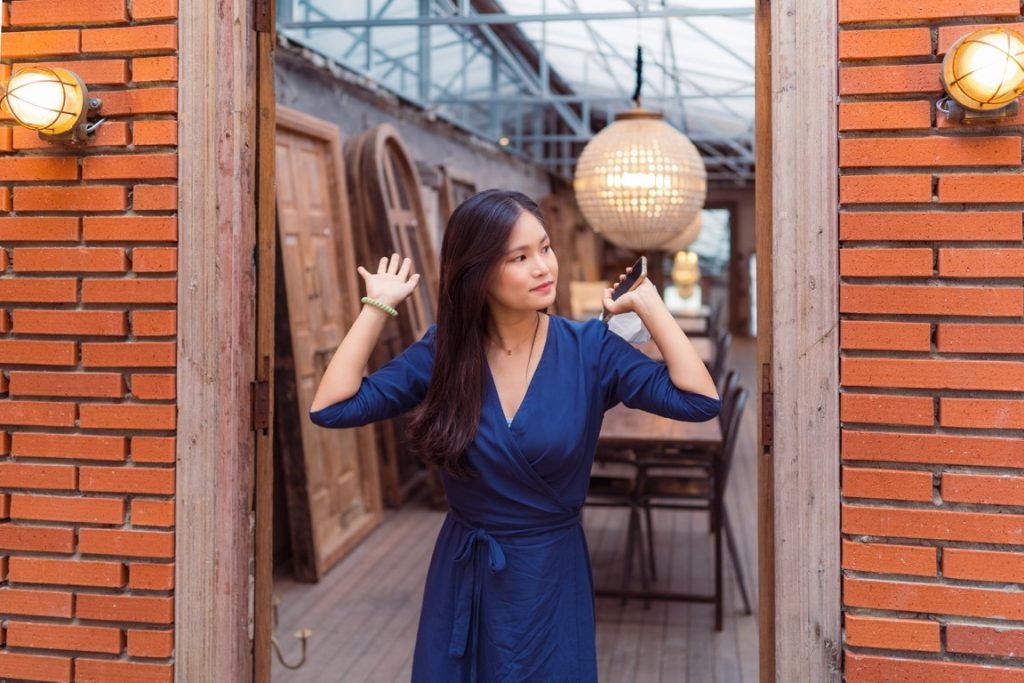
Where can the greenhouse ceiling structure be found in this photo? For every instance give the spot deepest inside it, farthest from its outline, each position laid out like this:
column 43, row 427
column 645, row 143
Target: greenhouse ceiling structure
column 540, row 77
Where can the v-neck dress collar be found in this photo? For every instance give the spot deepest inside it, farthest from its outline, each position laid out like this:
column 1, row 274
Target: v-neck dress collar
column 545, row 352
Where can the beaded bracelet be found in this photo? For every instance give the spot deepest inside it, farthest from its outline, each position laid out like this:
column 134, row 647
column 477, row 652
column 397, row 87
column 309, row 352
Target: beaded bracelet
column 381, row 305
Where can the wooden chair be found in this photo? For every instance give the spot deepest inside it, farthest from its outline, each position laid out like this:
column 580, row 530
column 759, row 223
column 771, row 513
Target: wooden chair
column 586, row 299
column 698, row 482
column 723, row 342
column 715, row 320
column 725, row 388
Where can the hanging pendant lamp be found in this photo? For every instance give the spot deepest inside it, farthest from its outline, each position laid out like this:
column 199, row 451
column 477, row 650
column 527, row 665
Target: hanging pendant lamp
column 687, row 237
column 640, row 182
column 685, row 272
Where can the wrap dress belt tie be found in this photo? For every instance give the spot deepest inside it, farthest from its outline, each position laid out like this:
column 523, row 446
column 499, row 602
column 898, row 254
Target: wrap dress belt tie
column 469, row 576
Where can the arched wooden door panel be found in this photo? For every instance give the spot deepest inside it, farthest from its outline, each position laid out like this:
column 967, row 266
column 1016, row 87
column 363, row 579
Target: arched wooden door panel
column 388, row 216
column 407, row 219
column 456, row 187
column 331, row 474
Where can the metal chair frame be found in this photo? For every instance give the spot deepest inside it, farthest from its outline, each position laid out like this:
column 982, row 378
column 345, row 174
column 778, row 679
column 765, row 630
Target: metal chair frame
column 706, row 473
column 603, row 492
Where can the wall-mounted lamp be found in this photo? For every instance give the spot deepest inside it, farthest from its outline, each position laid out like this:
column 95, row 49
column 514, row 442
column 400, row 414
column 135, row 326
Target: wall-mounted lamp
column 54, row 102
column 983, row 74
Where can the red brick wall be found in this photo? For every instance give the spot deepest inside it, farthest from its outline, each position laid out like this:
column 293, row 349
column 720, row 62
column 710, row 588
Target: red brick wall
column 932, row 366
column 87, row 353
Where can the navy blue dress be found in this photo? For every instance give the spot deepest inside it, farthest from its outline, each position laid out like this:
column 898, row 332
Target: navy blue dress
column 509, row 594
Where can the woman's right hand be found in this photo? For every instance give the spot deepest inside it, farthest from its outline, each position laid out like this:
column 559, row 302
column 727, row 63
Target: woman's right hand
column 391, row 284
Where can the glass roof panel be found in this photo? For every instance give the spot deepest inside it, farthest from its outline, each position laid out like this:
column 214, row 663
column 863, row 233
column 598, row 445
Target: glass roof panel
column 698, row 67
column 699, row 70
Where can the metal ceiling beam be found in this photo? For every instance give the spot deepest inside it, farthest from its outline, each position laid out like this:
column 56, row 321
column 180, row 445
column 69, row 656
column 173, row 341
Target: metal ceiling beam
column 676, row 76
column 681, row 105
column 714, row 165
column 499, row 112
column 285, row 10
column 423, row 58
column 365, row 36
column 695, row 138
column 529, row 78
column 302, row 46
column 708, row 162
column 669, row 72
column 493, row 19
column 593, row 99
column 715, row 41
column 571, row 4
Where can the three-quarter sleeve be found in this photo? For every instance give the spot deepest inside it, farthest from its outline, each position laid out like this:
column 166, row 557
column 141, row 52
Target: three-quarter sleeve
column 630, row 377
column 397, row 387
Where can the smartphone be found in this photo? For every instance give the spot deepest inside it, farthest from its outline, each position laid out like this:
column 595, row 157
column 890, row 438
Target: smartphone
column 636, row 275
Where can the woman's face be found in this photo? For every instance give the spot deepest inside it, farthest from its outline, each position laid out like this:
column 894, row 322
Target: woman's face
column 526, row 276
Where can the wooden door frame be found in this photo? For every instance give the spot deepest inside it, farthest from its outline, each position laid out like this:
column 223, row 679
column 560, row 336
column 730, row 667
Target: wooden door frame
column 222, row 120
column 797, row 247
column 221, row 596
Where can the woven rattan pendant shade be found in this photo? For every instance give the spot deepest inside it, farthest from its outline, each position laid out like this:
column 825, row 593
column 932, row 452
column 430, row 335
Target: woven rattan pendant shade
column 640, row 182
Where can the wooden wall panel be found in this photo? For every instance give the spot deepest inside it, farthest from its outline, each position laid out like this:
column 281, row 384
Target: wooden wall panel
column 805, row 342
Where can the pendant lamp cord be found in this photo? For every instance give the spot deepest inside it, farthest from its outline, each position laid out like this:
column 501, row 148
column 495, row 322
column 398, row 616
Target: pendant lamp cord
column 639, row 74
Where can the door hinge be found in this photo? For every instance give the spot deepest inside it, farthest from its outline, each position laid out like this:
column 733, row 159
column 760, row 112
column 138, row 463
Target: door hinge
column 260, row 406
column 767, row 416
column 263, row 17
column 767, row 410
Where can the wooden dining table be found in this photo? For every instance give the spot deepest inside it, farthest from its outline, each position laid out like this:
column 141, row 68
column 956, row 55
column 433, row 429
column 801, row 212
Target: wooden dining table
column 694, row 321
column 628, row 428
column 642, row 432
column 704, row 347
column 625, row 427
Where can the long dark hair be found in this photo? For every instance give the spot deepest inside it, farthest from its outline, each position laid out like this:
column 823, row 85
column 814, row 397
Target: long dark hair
column 443, row 425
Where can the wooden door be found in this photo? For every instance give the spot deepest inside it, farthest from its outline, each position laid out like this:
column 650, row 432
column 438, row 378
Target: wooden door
column 333, row 490
column 403, row 205
column 799, row 473
column 558, row 219
column 456, row 187
column 765, row 471
column 388, row 215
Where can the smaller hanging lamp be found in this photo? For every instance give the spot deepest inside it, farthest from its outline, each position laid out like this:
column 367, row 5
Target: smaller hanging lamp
column 687, row 237
column 640, row 182
column 685, row 272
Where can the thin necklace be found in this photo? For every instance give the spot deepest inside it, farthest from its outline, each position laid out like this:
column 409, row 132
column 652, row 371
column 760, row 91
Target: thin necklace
column 533, row 342
column 526, row 372
column 509, row 351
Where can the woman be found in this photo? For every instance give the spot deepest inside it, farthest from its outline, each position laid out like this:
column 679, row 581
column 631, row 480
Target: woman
column 508, row 401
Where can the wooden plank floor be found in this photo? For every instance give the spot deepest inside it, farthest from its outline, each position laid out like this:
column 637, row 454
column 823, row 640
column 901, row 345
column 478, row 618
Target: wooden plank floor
column 364, row 612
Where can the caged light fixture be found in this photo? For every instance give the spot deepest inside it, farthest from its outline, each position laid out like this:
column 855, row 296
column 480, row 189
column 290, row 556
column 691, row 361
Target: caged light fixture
column 983, row 75
column 52, row 101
